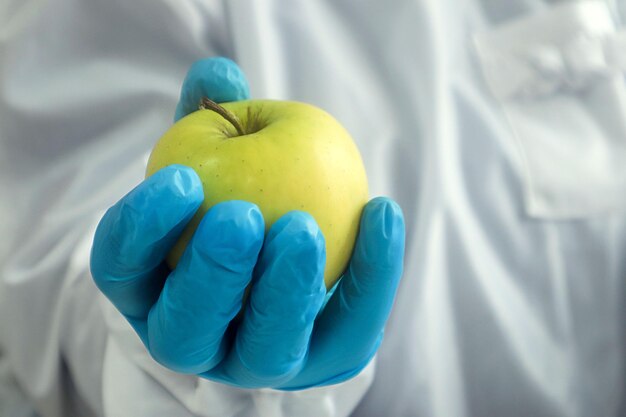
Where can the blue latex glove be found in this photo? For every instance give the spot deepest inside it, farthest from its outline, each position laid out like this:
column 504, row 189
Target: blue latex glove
column 219, row 79
column 184, row 317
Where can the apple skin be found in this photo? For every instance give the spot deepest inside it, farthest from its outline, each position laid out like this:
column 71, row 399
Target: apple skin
column 296, row 157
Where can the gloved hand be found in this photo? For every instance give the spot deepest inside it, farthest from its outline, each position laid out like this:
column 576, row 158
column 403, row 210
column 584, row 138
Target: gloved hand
column 184, row 317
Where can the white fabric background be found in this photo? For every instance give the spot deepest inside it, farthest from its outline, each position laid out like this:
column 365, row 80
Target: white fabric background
column 499, row 312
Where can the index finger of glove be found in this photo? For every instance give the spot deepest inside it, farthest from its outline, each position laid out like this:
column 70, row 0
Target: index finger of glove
column 219, row 79
column 135, row 234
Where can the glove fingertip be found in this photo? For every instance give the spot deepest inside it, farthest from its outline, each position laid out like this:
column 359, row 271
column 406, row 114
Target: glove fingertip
column 142, row 220
column 231, row 233
column 385, row 213
column 382, row 234
column 217, row 78
column 185, row 182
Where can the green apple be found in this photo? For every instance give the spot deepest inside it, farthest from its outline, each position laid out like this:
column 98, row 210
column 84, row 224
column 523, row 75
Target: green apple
column 280, row 155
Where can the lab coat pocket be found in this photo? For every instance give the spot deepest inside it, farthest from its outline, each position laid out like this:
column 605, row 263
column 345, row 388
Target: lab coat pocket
column 559, row 77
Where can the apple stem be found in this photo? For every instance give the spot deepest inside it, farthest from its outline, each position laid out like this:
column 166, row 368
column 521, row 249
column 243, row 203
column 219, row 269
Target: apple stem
column 208, row 104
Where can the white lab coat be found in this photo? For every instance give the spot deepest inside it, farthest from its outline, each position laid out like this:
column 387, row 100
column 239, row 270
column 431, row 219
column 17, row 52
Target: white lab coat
column 499, row 127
